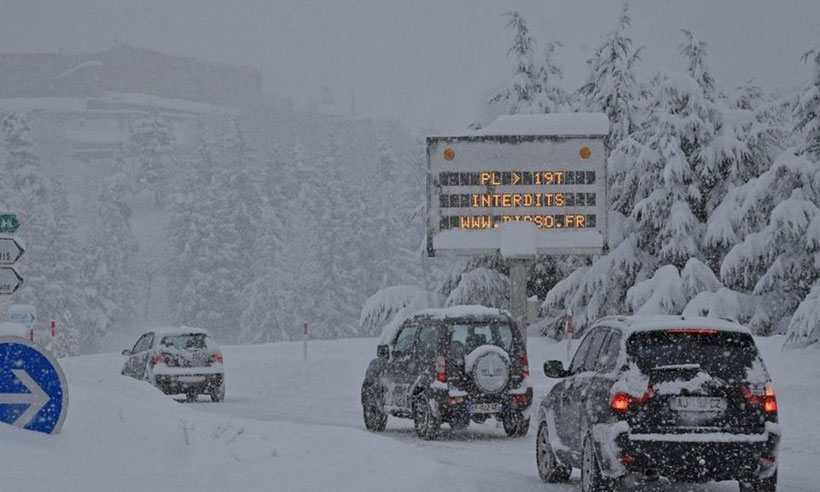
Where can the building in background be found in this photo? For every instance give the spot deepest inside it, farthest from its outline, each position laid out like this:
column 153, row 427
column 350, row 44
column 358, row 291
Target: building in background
column 90, row 101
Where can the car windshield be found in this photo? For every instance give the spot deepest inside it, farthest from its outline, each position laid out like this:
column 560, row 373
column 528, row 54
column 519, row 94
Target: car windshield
column 725, row 355
column 472, row 335
column 194, row 341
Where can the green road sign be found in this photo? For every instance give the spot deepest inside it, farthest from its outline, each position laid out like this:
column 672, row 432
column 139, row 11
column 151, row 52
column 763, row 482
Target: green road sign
column 8, row 223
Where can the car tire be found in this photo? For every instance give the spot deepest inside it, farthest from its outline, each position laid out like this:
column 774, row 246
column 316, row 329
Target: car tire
column 591, row 478
column 759, row 485
column 218, row 393
column 191, row 397
column 427, row 424
column 549, row 469
column 515, row 425
column 374, row 417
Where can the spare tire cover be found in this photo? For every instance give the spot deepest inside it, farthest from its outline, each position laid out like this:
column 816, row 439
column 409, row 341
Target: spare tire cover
column 491, row 372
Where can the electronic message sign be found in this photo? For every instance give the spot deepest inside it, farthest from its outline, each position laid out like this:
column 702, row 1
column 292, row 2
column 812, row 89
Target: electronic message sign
column 556, row 182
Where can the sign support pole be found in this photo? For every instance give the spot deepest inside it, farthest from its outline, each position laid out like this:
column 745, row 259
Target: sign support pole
column 519, row 269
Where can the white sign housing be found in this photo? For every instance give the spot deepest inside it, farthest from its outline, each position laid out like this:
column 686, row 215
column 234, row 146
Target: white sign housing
column 545, row 173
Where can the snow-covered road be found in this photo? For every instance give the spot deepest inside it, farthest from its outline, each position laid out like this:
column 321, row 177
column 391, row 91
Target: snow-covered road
column 290, row 425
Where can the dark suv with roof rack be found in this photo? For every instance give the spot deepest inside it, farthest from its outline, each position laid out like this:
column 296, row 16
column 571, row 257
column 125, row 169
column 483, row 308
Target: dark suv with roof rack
column 453, row 365
column 685, row 398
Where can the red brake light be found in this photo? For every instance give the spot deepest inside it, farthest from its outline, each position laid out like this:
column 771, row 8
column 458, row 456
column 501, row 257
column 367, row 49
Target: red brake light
column 770, row 404
column 767, row 400
column 693, row 331
column 157, row 358
column 441, row 374
column 525, row 366
column 217, row 357
column 620, row 402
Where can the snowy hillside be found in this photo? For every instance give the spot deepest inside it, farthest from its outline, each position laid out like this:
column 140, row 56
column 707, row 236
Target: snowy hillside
column 289, row 425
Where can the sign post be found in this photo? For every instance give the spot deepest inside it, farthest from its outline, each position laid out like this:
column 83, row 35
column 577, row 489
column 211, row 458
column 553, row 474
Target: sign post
column 33, row 389
column 304, row 341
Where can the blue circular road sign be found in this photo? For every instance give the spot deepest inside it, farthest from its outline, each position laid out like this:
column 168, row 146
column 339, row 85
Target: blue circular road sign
column 33, row 389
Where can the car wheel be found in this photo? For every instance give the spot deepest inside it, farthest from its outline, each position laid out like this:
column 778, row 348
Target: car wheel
column 427, row 425
column 760, row 484
column 549, row 468
column 591, row 478
column 191, row 396
column 515, row 425
column 374, row 417
column 218, row 393
column 460, row 422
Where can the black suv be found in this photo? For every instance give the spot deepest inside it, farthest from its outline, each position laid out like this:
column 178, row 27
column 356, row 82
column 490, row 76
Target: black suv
column 685, row 398
column 450, row 365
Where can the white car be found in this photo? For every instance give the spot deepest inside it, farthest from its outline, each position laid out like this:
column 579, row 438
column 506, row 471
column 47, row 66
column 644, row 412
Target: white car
column 178, row 361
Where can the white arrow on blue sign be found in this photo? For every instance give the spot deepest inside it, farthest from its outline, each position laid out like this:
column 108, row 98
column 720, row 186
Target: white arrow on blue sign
column 33, row 389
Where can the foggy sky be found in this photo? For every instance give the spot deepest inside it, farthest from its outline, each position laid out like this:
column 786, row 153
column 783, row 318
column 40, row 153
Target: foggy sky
column 427, row 62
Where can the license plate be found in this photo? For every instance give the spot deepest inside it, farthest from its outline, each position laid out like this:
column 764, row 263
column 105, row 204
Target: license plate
column 698, row 404
column 484, row 408
column 190, row 379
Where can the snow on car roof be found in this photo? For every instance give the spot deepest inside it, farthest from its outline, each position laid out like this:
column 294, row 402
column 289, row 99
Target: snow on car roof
column 180, row 330
column 649, row 323
column 475, row 311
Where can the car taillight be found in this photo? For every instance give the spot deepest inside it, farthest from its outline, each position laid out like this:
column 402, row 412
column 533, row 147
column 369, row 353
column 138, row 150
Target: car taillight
column 217, row 357
column 525, row 366
column 693, row 331
column 621, row 401
column 156, row 359
column 441, row 366
column 767, row 400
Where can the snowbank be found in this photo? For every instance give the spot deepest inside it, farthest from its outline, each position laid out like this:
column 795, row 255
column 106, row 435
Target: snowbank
column 124, row 435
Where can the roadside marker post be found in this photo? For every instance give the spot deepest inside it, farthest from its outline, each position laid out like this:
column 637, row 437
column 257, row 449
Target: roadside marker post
column 304, row 341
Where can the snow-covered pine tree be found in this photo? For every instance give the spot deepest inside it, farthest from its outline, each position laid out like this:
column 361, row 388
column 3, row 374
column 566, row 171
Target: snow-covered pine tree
column 667, row 177
column 108, row 262
column 63, row 297
column 611, row 87
column 520, row 93
column 777, row 260
column 149, row 151
column 549, row 96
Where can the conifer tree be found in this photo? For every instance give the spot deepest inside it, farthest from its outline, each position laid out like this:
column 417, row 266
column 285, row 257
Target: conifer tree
column 612, row 87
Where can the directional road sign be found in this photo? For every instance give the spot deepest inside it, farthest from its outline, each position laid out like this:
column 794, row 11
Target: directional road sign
column 8, row 223
column 23, row 313
column 33, row 389
column 10, row 280
column 10, row 250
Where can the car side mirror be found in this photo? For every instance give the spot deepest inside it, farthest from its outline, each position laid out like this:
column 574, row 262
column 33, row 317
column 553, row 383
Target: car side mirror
column 555, row 369
column 383, row 352
column 126, row 352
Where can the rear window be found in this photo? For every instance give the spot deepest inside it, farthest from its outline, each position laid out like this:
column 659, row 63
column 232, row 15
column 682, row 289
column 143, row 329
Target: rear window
column 469, row 336
column 192, row 341
column 725, row 355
